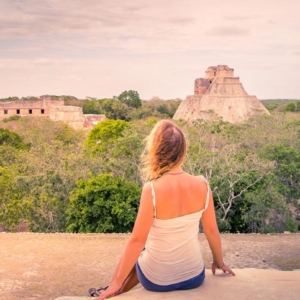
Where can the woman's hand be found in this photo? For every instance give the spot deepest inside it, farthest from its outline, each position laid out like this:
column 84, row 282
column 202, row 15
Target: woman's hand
column 224, row 268
column 113, row 290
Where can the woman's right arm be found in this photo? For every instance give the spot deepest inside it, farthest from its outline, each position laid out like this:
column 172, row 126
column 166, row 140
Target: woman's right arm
column 212, row 234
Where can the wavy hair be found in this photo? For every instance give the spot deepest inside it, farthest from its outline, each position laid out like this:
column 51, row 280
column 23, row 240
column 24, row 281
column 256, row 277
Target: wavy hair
column 165, row 150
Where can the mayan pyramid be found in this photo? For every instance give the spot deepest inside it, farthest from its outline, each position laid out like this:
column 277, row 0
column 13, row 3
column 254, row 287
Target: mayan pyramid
column 219, row 95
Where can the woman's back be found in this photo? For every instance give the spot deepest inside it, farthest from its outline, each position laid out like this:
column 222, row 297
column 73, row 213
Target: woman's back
column 179, row 194
column 172, row 249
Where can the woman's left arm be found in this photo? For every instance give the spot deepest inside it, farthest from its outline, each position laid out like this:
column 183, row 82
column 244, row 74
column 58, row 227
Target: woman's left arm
column 135, row 244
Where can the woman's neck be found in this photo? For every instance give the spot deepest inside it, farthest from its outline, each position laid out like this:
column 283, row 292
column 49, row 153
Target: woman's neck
column 176, row 170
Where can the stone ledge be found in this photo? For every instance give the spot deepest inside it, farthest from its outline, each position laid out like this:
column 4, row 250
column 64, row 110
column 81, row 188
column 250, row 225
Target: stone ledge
column 247, row 285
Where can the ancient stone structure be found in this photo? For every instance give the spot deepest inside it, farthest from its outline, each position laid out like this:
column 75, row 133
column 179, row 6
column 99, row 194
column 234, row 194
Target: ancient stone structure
column 39, row 107
column 219, row 95
column 54, row 109
column 91, row 120
column 74, row 117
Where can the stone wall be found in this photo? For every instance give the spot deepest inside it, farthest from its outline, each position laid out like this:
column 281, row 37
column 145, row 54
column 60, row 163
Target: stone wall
column 219, row 71
column 39, row 107
column 228, row 86
column 224, row 71
column 201, row 85
column 91, row 120
column 50, row 108
column 211, row 72
column 72, row 115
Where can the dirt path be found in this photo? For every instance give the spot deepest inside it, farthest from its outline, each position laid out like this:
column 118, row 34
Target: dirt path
column 46, row 266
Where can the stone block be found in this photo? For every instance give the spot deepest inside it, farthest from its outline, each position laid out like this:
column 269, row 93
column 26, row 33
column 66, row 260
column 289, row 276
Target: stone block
column 248, row 284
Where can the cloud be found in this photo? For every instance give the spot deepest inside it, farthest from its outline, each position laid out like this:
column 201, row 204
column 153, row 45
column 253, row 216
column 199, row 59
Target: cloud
column 113, row 26
column 134, row 7
column 72, row 78
column 42, row 62
column 138, row 42
column 32, row 19
column 181, row 20
column 97, row 19
column 241, row 17
column 28, row 78
column 257, row 65
column 227, row 31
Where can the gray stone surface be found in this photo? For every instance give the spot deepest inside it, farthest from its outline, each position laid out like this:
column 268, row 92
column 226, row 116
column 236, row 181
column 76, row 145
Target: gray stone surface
column 247, row 284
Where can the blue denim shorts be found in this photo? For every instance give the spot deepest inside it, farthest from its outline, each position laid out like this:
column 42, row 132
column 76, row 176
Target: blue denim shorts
column 184, row 285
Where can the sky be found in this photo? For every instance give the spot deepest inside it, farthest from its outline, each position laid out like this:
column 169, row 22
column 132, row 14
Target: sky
column 100, row 48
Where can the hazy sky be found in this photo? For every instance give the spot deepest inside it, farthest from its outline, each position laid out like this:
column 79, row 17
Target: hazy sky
column 100, row 48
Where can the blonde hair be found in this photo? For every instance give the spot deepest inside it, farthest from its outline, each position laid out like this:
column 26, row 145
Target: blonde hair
column 165, row 150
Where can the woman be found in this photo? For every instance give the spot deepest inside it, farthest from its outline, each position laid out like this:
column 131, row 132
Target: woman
column 163, row 252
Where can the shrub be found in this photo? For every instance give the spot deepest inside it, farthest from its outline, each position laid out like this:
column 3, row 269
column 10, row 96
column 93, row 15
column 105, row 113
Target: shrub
column 103, row 204
column 290, row 107
column 12, row 118
column 11, row 138
column 104, row 133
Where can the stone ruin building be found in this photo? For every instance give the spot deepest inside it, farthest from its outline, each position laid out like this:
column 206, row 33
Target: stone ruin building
column 74, row 117
column 40, row 107
column 219, row 95
column 54, row 109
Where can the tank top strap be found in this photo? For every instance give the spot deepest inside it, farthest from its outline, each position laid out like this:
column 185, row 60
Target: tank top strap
column 153, row 198
column 208, row 190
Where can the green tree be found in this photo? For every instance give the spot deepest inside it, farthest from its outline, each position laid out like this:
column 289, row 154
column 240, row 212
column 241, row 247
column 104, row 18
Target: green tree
column 91, row 107
column 9, row 156
column 130, row 98
column 217, row 151
column 253, row 167
column 103, row 204
column 140, row 113
column 114, row 109
column 10, row 138
column 287, row 171
column 265, row 209
column 290, row 107
column 14, row 206
column 12, row 118
column 123, row 157
column 104, row 133
column 44, row 176
column 163, row 109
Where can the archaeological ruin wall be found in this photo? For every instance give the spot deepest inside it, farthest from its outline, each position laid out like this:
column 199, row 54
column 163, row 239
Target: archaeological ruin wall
column 40, row 107
column 54, row 109
column 74, row 117
column 219, row 95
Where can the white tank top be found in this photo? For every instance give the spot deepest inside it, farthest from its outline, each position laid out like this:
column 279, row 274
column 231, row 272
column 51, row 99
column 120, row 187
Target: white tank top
column 172, row 252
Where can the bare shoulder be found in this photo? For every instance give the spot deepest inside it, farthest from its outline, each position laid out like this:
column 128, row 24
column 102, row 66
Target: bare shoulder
column 202, row 178
column 146, row 196
column 197, row 186
column 147, row 186
column 199, row 179
column 198, row 183
column 146, row 189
